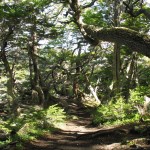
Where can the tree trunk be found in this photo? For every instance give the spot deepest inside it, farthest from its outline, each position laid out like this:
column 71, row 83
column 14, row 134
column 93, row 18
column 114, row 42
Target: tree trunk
column 30, row 69
column 77, row 73
column 92, row 91
column 116, row 54
column 116, row 69
column 10, row 83
column 33, row 52
column 13, row 103
column 131, row 76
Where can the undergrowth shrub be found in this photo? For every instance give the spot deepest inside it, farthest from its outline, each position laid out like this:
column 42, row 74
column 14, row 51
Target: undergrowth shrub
column 113, row 113
column 34, row 122
column 120, row 111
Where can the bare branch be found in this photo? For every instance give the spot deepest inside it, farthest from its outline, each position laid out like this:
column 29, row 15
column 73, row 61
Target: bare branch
column 89, row 5
column 130, row 9
column 135, row 2
column 5, row 39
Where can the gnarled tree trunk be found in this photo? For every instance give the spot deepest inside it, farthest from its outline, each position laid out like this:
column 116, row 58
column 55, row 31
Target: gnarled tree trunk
column 36, row 79
column 13, row 103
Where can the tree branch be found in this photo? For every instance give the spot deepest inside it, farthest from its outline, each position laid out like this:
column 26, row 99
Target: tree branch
column 89, row 5
column 130, row 9
column 77, row 14
column 133, row 39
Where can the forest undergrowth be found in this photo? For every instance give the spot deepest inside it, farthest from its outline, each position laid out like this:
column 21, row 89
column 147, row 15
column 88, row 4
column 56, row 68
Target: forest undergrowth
column 34, row 122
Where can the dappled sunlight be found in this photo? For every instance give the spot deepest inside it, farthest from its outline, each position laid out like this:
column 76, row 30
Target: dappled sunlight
column 76, row 134
column 74, row 74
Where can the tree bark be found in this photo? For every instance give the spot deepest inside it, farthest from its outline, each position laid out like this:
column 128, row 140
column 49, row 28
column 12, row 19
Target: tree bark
column 134, row 40
column 9, row 72
column 10, row 82
column 131, row 76
column 116, row 69
column 92, row 91
column 33, row 51
column 124, row 36
column 77, row 73
column 116, row 54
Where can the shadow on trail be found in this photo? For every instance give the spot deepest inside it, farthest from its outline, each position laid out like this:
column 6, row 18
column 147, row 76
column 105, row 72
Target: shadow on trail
column 66, row 137
column 77, row 135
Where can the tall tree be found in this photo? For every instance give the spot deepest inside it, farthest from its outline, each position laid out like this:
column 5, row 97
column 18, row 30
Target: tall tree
column 125, row 36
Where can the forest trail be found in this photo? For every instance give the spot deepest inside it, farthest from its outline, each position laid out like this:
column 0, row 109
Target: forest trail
column 77, row 134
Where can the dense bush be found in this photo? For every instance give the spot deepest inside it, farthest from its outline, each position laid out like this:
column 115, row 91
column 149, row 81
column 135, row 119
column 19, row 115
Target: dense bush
column 121, row 111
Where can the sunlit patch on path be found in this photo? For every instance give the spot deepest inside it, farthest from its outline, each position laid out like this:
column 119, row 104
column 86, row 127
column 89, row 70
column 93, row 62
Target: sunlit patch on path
column 78, row 134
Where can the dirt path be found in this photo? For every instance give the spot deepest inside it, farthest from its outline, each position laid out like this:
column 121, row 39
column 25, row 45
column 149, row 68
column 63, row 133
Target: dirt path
column 78, row 135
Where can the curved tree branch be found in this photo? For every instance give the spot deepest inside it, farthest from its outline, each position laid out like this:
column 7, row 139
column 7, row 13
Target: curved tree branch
column 133, row 39
column 76, row 8
column 124, row 36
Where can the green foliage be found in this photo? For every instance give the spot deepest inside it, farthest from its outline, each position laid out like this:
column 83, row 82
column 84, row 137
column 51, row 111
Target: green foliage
column 144, row 75
column 54, row 115
column 34, row 122
column 57, row 59
column 119, row 112
column 93, row 17
column 137, row 95
column 4, row 143
column 138, row 23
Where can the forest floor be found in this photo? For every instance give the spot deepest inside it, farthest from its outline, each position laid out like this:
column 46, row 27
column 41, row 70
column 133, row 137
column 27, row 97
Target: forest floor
column 78, row 134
